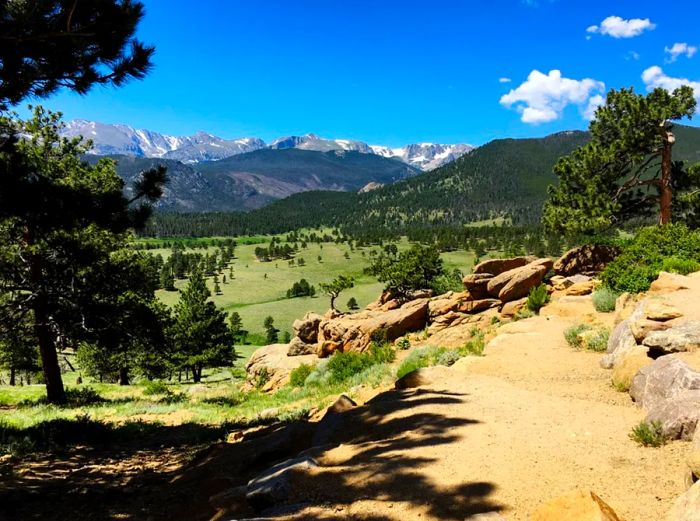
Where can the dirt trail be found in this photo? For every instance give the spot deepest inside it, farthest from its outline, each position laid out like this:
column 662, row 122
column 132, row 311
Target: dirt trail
column 531, row 420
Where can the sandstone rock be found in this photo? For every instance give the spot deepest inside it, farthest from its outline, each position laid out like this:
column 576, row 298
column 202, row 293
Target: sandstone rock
column 477, row 284
column 624, row 305
column 498, row 266
column 276, row 484
column 627, row 368
column 678, row 415
column 580, row 505
column 440, row 306
column 661, row 311
column 693, row 458
column 307, row 328
column 686, row 507
column 460, row 330
column 298, row 347
column 666, row 378
column 560, row 283
column 270, row 366
column 423, row 376
column 511, row 308
column 355, row 331
column 332, row 421
column 681, row 337
column 488, row 516
column 445, row 321
column 622, row 341
column 475, row 306
column 517, row 283
column 668, row 283
column 581, row 288
column 643, row 327
column 585, row 259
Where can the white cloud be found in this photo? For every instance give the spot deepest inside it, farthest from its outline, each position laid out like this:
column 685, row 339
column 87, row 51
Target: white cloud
column 679, row 49
column 504, row 80
column 620, row 28
column 593, row 103
column 655, row 77
column 632, row 55
column 543, row 97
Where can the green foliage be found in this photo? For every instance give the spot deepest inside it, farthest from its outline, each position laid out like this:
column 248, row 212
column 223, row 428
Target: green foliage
column 334, row 288
column 83, row 396
column 649, row 434
column 448, row 281
column 604, row 299
column 598, row 342
column 403, row 344
column 680, row 265
column 271, row 332
column 153, row 387
column 301, row 289
column 414, row 269
column 298, row 376
column 343, row 366
column 352, row 304
column 571, row 334
column 431, row 355
column 618, row 174
column 642, row 260
column 537, row 298
column 475, row 346
column 261, row 378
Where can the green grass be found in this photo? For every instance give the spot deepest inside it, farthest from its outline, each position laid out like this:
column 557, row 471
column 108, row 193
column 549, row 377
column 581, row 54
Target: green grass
column 259, row 289
column 649, row 434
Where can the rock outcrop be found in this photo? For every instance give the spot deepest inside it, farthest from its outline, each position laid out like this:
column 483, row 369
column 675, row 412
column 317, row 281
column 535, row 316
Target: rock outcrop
column 307, row 328
column 269, row 367
column 495, row 267
column 677, row 415
column 686, row 507
column 517, row 282
column 681, row 337
column 589, row 259
column 666, row 378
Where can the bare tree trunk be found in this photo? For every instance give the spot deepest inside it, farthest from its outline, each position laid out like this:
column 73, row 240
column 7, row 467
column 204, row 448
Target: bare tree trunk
column 47, row 348
column 123, row 376
column 666, row 193
column 12, row 376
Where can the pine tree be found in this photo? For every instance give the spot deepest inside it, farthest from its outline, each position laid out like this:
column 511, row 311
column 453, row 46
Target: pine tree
column 167, row 279
column 202, row 337
column 272, row 333
column 336, row 286
column 627, row 169
column 352, row 304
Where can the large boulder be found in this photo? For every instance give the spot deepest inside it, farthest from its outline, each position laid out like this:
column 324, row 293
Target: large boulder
column 693, row 459
column 477, row 284
column 510, row 309
column 627, row 367
column 581, row 288
column 498, row 266
column 517, row 283
column 355, row 332
column 477, row 306
column 666, row 378
column 686, row 507
column 681, row 337
column 669, row 283
column 269, row 367
column 307, row 328
column 588, row 259
column 275, row 485
column 580, row 505
column 622, row 341
column 298, row 347
column 678, row 415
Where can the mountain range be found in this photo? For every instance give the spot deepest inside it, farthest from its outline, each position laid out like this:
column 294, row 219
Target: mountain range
column 111, row 139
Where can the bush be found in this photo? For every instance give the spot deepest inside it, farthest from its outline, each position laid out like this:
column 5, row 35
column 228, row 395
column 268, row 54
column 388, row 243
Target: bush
column 343, row 366
column 599, row 341
column 649, row 434
column 155, row 387
column 298, row 376
column 604, row 299
column 679, row 265
column 571, row 334
column 403, row 344
column 537, row 298
column 473, row 347
column 83, row 396
column 672, row 246
column 426, row 357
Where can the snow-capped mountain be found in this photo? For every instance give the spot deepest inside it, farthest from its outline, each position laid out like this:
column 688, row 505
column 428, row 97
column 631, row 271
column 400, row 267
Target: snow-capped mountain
column 426, row 156
column 122, row 139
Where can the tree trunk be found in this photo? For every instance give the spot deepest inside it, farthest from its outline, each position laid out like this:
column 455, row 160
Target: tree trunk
column 47, row 348
column 196, row 373
column 12, row 376
column 123, row 376
column 666, row 194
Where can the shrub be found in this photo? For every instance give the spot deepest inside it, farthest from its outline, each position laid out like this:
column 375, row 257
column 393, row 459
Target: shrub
column 642, row 260
column 679, row 265
column 447, row 358
column 598, row 341
column 571, row 334
column 604, row 299
column 373, row 376
column 473, row 347
column 537, row 298
column 298, row 376
column 426, row 357
column 83, row 396
column 649, row 434
column 403, row 344
column 155, row 387
column 343, row 366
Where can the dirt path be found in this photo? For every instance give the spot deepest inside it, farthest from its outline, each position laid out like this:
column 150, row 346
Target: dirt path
column 531, row 420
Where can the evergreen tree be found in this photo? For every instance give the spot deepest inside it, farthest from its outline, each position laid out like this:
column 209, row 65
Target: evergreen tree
column 167, row 279
column 334, row 288
column 217, row 286
column 352, row 304
column 627, row 169
column 202, row 337
column 235, row 324
column 413, row 269
column 271, row 332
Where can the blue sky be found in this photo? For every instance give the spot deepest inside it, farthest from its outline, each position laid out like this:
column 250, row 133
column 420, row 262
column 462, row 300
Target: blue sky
column 393, row 72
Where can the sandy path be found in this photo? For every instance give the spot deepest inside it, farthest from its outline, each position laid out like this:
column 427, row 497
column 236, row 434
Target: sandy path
column 529, row 421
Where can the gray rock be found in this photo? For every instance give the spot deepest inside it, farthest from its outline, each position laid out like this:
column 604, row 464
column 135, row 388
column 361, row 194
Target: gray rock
column 666, row 378
column 682, row 337
column 620, row 343
column 576, row 279
column 298, row 347
column 678, row 415
column 275, row 484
